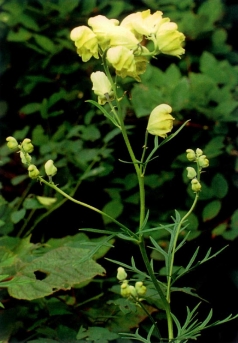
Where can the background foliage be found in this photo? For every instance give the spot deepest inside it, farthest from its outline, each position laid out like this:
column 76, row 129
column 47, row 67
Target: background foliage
column 44, row 86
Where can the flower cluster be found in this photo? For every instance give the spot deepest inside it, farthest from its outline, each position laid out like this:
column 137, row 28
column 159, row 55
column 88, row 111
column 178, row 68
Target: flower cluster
column 124, row 44
column 202, row 162
column 24, row 149
column 129, row 291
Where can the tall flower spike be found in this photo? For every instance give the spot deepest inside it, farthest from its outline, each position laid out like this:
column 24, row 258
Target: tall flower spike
column 160, row 121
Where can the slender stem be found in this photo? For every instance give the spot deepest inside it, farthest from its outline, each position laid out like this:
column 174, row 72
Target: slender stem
column 52, row 185
column 159, row 290
column 61, row 202
column 168, row 296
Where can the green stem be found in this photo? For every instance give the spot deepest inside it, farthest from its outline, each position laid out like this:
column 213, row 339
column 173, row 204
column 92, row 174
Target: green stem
column 168, row 296
column 52, row 185
column 158, row 289
column 61, row 202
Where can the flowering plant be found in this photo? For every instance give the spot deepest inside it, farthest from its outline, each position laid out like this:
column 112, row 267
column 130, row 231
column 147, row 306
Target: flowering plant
column 123, row 49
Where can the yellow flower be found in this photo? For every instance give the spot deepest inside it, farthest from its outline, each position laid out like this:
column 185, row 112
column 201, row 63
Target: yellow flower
column 196, row 186
column 191, row 173
column 12, row 143
column 86, row 42
column 122, row 59
column 50, row 169
column 169, row 39
column 102, row 27
column 160, row 121
column 191, row 156
column 121, row 274
column 27, row 145
column 102, row 87
column 33, row 172
column 143, row 23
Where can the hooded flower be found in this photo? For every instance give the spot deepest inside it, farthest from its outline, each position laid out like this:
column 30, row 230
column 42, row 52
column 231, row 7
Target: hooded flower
column 86, row 42
column 33, row 172
column 169, row 39
column 160, row 121
column 102, row 27
column 102, row 87
column 50, row 169
column 12, row 143
column 143, row 23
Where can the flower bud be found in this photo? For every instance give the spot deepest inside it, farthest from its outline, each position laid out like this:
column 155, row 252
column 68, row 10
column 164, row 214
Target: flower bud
column 160, row 121
column 102, row 87
column 121, row 274
column 27, row 146
column 50, row 169
column 203, row 161
column 191, row 156
column 140, row 288
column 199, row 152
column 125, row 290
column 25, row 158
column 33, row 172
column 132, row 291
column 196, row 186
column 12, row 143
column 191, row 173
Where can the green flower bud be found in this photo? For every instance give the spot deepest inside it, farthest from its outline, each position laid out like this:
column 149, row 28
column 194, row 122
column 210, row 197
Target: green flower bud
column 191, row 156
column 121, row 274
column 140, row 288
column 50, row 169
column 191, row 173
column 199, row 152
column 12, row 143
column 125, row 290
column 196, row 186
column 33, row 172
column 27, row 146
column 25, row 158
column 160, row 121
column 132, row 291
column 203, row 161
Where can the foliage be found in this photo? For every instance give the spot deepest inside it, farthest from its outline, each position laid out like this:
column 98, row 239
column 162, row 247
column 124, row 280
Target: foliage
column 44, row 97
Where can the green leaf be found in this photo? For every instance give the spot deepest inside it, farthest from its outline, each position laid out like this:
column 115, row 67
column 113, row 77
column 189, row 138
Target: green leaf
column 59, row 270
column 114, row 208
column 219, row 230
column 219, row 185
column 45, row 43
column 16, row 216
column 211, row 210
column 30, row 108
column 21, row 35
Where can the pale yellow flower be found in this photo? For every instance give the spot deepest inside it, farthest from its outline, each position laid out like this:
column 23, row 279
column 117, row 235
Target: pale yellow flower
column 86, row 42
column 102, row 87
column 12, row 143
column 143, row 23
column 122, row 59
column 160, row 121
column 50, row 169
column 169, row 39
column 102, row 27
column 33, row 172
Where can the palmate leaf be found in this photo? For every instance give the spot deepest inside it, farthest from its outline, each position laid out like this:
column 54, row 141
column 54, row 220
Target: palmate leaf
column 58, row 269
